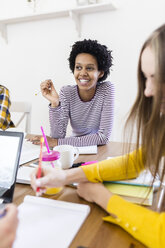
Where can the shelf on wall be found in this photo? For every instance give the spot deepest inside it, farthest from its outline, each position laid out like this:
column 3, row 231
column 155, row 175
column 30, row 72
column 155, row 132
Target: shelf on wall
column 74, row 13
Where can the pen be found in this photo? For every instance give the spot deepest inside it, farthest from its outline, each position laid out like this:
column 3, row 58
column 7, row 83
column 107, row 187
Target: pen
column 37, row 93
column 2, row 210
column 3, row 213
column 39, row 165
column 90, row 162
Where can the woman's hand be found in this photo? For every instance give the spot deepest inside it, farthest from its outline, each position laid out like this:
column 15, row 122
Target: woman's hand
column 55, row 177
column 37, row 139
column 51, row 178
column 8, row 226
column 94, row 192
column 49, row 92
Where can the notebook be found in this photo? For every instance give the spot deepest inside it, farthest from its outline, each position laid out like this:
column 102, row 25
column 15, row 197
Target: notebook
column 29, row 152
column 50, row 223
column 136, row 194
column 23, row 175
column 10, row 150
column 87, row 150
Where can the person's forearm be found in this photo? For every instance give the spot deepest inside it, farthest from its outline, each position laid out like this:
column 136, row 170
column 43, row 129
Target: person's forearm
column 103, row 198
column 85, row 140
column 54, row 104
column 75, row 175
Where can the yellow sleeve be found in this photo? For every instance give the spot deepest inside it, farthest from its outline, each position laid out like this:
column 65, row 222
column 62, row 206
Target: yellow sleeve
column 143, row 224
column 118, row 168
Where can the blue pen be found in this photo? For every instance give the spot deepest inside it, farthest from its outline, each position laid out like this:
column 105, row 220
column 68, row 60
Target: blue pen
column 2, row 210
column 3, row 214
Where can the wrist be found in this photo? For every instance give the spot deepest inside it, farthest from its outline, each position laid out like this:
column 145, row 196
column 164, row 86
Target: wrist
column 102, row 197
column 55, row 104
column 75, row 175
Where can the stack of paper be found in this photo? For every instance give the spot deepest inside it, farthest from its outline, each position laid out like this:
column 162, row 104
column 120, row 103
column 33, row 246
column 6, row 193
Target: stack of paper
column 145, row 178
column 136, row 194
column 136, row 190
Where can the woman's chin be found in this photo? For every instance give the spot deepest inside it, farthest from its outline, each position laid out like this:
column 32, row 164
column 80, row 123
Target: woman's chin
column 83, row 86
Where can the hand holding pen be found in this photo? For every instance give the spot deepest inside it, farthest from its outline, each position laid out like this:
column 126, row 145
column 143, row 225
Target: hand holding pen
column 49, row 92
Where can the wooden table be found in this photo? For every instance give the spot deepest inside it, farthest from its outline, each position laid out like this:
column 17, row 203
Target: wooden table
column 95, row 233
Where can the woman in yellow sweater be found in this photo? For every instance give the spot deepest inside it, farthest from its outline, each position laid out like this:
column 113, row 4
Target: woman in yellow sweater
column 148, row 114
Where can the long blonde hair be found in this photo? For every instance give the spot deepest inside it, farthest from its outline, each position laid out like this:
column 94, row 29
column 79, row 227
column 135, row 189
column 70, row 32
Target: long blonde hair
column 145, row 113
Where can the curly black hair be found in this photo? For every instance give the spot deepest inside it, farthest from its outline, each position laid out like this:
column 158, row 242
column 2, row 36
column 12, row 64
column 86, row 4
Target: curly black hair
column 100, row 52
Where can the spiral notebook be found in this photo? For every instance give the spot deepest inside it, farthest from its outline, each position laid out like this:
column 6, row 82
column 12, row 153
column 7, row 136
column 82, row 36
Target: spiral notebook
column 49, row 223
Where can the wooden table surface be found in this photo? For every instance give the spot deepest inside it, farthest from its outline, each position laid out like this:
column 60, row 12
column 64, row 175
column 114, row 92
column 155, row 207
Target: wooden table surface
column 94, row 233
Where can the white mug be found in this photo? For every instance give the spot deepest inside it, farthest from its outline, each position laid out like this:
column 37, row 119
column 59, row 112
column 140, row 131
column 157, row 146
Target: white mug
column 68, row 154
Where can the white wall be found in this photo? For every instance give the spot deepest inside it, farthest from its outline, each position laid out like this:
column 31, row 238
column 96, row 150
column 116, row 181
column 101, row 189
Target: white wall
column 39, row 50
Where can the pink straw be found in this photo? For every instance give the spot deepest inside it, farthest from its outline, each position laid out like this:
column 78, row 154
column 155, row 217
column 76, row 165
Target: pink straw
column 46, row 142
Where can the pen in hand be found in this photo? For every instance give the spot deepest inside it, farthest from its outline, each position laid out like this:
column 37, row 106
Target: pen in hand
column 39, row 165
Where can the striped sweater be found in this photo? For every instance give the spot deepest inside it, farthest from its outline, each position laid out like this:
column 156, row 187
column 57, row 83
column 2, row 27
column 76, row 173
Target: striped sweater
column 91, row 121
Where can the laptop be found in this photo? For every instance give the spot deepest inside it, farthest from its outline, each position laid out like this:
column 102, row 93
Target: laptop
column 10, row 150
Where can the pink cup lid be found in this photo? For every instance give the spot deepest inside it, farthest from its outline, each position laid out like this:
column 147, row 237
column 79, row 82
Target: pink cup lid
column 53, row 155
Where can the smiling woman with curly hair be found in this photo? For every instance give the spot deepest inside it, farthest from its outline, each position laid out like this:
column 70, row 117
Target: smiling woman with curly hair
column 89, row 105
column 100, row 52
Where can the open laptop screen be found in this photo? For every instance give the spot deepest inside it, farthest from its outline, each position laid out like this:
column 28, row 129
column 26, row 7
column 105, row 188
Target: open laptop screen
column 10, row 149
